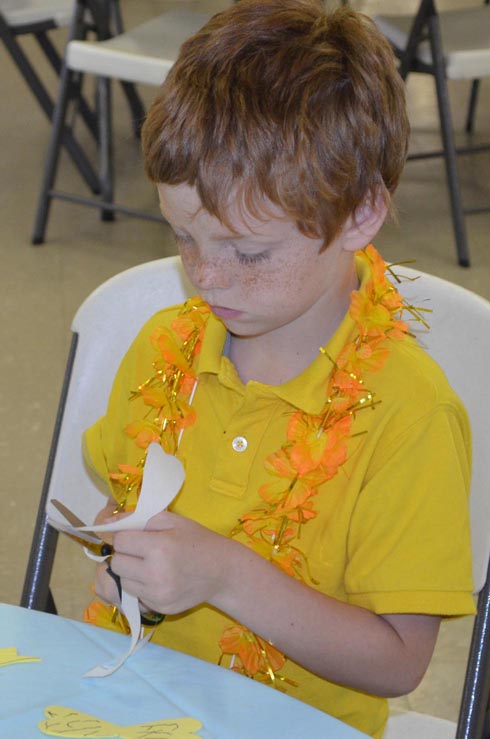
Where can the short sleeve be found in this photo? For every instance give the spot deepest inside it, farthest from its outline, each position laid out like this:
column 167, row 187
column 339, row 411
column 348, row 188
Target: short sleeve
column 105, row 444
column 93, row 454
column 409, row 548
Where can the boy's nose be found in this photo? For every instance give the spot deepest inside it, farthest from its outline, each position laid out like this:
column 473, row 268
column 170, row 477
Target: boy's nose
column 209, row 274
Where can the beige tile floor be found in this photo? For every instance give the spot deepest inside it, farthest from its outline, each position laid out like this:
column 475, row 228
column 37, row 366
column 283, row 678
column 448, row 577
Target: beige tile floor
column 42, row 287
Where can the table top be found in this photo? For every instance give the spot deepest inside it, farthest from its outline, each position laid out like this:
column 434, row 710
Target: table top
column 154, row 684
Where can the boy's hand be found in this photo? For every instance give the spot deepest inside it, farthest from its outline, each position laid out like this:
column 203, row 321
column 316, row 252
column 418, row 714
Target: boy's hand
column 176, row 564
column 173, row 565
column 107, row 515
column 104, row 585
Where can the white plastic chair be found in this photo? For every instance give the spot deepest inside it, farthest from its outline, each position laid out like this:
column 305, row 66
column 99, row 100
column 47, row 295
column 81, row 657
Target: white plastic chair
column 412, row 725
column 144, row 55
column 455, row 45
column 459, row 339
column 103, row 329
column 37, row 19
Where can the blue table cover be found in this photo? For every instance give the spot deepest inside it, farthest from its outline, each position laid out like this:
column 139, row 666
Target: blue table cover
column 155, row 683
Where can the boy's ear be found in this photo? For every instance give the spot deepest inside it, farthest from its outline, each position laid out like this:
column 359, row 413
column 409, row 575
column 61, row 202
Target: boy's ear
column 362, row 226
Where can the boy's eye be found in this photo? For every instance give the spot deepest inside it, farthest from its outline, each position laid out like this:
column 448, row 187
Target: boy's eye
column 252, row 258
column 183, row 239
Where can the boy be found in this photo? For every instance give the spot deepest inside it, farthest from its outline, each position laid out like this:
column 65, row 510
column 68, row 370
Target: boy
column 322, row 529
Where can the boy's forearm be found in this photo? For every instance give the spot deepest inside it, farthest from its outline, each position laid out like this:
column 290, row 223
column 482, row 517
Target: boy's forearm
column 176, row 564
column 340, row 642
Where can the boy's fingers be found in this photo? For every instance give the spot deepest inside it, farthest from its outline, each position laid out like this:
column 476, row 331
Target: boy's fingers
column 132, row 543
column 128, row 568
column 161, row 521
column 107, row 515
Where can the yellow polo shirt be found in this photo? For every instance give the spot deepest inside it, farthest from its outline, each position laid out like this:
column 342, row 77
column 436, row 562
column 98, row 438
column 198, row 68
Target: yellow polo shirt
column 392, row 532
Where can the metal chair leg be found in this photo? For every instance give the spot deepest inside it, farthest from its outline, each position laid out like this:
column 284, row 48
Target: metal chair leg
column 135, row 103
column 450, row 156
column 473, row 715
column 106, row 166
column 50, row 52
column 68, row 87
column 36, row 593
column 54, row 150
column 136, row 106
column 39, row 91
column 470, row 116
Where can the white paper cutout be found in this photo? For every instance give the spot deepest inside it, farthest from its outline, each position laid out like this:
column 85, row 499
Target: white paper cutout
column 163, row 476
column 155, row 494
column 130, row 608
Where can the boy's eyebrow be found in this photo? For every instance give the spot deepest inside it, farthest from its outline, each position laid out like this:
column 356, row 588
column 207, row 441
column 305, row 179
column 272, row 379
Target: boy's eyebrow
column 235, row 235
column 216, row 236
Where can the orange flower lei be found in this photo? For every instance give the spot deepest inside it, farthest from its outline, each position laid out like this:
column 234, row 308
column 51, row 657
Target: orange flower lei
column 168, row 393
column 315, row 446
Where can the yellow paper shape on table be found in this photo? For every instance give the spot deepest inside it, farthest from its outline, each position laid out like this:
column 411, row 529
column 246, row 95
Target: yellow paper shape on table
column 66, row 722
column 177, row 728
column 9, row 656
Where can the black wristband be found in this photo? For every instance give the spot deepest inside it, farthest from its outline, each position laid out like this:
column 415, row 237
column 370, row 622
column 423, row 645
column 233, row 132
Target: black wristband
column 152, row 618
column 115, row 577
column 149, row 618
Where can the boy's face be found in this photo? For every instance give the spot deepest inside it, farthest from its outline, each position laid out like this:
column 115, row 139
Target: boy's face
column 265, row 278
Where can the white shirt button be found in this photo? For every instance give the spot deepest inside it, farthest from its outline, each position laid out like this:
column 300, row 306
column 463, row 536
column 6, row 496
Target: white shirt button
column 239, row 443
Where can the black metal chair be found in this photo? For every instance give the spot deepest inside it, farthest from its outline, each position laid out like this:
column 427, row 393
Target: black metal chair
column 24, row 18
column 447, row 45
column 37, row 19
column 141, row 55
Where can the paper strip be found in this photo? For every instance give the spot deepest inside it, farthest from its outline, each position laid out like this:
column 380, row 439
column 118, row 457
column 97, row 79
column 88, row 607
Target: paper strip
column 130, row 608
column 163, row 476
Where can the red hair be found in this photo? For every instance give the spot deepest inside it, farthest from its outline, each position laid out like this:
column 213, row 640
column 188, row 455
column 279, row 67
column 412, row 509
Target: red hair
column 283, row 100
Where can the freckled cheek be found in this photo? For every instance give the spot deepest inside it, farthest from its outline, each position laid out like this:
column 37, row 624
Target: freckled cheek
column 188, row 257
column 193, row 265
column 208, row 272
column 270, row 288
column 285, row 280
column 258, row 285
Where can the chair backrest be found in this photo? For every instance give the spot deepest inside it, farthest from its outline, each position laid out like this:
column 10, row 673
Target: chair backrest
column 109, row 319
column 105, row 324
column 459, row 340
column 103, row 329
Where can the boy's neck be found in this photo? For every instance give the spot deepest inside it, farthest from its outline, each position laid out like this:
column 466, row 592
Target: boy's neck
column 281, row 355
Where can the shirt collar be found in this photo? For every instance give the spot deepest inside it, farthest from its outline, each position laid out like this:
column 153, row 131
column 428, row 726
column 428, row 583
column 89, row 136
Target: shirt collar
column 213, row 345
column 307, row 390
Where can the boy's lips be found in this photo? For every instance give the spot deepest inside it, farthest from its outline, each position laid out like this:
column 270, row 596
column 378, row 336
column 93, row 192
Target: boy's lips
column 222, row 312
